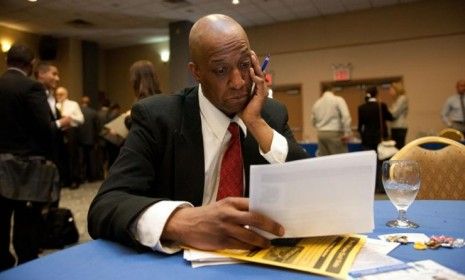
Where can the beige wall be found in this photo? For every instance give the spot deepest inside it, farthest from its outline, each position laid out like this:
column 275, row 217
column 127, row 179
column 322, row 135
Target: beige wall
column 12, row 35
column 424, row 42
column 117, row 63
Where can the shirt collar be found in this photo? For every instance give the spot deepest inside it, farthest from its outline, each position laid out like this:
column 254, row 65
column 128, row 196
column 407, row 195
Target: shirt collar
column 372, row 99
column 328, row 93
column 18, row 70
column 215, row 119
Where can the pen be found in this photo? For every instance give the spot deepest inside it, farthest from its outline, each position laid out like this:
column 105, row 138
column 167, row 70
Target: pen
column 265, row 63
column 376, row 270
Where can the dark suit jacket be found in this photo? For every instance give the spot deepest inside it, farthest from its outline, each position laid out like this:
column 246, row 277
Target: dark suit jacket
column 163, row 158
column 25, row 124
column 89, row 130
column 369, row 123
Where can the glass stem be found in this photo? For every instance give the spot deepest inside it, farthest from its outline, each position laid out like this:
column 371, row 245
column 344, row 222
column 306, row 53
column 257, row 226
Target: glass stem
column 401, row 215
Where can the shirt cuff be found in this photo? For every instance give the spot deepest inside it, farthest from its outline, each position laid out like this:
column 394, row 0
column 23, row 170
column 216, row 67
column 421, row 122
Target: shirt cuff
column 57, row 122
column 278, row 151
column 148, row 227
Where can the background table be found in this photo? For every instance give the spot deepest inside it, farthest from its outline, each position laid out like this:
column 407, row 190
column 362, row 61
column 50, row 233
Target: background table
column 101, row 259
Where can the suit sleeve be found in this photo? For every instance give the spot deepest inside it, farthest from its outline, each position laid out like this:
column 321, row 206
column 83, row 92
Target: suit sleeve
column 128, row 189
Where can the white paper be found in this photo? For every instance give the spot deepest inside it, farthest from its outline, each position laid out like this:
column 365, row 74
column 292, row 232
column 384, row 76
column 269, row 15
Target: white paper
column 202, row 258
column 420, row 270
column 374, row 254
column 117, row 125
column 319, row 196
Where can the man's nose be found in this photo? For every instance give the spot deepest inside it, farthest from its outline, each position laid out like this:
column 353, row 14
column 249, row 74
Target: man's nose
column 237, row 78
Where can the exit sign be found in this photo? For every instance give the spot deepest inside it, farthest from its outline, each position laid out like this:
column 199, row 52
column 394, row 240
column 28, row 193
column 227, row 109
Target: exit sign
column 342, row 72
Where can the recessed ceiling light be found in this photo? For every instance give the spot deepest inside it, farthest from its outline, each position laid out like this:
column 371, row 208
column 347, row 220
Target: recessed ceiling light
column 235, row 2
column 32, row 0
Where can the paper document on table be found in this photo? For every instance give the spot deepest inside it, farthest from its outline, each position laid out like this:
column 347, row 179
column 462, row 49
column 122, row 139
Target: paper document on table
column 419, row 270
column 319, row 196
column 374, row 254
column 199, row 258
column 326, row 255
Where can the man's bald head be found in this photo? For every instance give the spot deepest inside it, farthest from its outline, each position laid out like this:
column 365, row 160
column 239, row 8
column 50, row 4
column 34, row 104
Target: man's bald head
column 210, row 32
column 61, row 94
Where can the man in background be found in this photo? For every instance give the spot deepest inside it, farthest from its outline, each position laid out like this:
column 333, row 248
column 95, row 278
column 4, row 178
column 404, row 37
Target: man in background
column 87, row 138
column 453, row 111
column 331, row 118
column 71, row 109
column 47, row 74
column 25, row 132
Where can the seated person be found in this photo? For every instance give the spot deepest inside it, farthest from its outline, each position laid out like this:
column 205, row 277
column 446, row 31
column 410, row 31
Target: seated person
column 169, row 186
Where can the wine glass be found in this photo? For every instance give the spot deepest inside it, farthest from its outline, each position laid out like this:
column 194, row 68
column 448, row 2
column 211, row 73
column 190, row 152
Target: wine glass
column 401, row 181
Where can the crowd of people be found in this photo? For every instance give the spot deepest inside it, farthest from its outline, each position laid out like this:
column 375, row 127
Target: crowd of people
column 180, row 177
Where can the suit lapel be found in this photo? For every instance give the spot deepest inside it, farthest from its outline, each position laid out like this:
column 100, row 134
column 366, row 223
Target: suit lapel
column 189, row 156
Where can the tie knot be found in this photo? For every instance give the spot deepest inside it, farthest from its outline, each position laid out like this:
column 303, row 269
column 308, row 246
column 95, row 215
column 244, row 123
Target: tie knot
column 233, row 128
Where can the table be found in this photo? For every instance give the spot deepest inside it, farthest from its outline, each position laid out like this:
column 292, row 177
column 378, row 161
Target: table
column 357, row 147
column 101, row 259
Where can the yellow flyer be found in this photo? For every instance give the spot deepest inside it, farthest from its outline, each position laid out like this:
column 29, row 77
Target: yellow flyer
column 326, row 255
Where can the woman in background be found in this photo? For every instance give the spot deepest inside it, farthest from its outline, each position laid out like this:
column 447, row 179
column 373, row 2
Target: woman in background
column 399, row 110
column 144, row 82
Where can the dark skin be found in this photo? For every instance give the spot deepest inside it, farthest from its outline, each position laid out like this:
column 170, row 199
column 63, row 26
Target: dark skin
column 226, row 68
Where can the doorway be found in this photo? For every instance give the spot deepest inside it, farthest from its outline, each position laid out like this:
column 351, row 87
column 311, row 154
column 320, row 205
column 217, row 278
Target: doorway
column 291, row 97
column 353, row 92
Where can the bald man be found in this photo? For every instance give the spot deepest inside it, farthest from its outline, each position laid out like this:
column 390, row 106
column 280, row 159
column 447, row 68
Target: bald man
column 453, row 111
column 163, row 190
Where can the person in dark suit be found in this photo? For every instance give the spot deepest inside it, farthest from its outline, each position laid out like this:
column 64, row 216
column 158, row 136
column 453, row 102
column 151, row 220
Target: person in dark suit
column 372, row 117
column 87, row 134
column 163, row 189
column 25, row 130
column 47, row 74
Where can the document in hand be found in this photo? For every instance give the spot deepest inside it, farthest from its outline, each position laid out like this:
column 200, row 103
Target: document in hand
column 315, row 197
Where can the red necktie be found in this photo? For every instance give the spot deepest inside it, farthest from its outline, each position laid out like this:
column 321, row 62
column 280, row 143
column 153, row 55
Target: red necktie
column 231, row 173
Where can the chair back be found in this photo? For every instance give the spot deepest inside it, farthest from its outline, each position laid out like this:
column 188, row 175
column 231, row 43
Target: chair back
column 442, row 170
column 452, row 133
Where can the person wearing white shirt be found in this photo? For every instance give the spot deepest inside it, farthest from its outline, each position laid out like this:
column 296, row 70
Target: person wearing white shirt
column 71, row 109
column 453, row 111
column 68, row 108
column 332, row 120
column 162, row 191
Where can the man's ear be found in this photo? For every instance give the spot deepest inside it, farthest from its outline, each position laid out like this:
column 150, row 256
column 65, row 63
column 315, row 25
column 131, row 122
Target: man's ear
column 194, row 69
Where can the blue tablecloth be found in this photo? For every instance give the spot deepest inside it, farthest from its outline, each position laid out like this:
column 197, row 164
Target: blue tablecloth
column 107, row 260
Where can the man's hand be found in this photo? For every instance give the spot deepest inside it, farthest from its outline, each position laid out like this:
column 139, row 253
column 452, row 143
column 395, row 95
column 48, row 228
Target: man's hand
column 251, row 115
column 346, row 139
column 65, row 123
column 220, row 226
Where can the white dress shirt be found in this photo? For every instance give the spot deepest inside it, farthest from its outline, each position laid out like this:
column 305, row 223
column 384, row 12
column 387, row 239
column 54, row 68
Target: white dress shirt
column 399, row 110
column 69, row 108
column 330, row 113
column 149, row 226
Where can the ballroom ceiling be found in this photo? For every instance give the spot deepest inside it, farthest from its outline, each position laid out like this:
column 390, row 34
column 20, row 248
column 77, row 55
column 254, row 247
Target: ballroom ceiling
column 116, row 23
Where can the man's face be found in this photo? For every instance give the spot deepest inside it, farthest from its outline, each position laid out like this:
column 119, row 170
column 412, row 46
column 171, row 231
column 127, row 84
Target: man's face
column 223, row 71
column 49, row 77
column 461, row 87
column 61, row 94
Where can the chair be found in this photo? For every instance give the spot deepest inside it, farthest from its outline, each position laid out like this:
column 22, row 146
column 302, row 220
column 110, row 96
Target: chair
column 452, row 133
column 442, row 170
